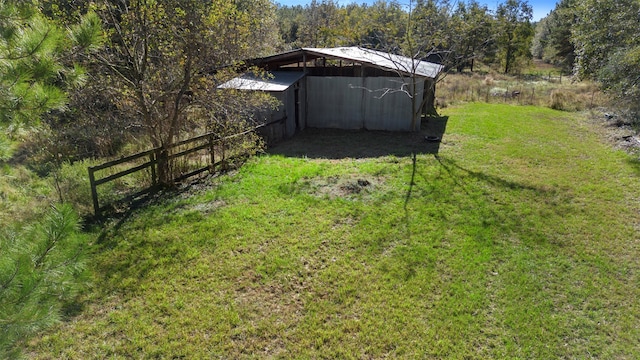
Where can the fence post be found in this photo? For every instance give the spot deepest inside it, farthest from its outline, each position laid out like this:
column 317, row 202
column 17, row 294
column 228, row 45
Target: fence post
column 533, row 92
column 213, row 155
column 154, row 162
column 94, row 192
column 223, row 146
column 163, row 172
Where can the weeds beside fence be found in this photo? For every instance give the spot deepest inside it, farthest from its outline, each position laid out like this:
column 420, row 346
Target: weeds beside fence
column 124, row 180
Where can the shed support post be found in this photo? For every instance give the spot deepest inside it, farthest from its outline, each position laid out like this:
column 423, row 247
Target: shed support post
column 304, row 63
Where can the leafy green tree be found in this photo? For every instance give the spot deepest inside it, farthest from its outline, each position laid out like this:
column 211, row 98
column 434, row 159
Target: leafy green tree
column 540, row 39
column 473, row 24
column 163, row 56
column 552, row 39
column 603, row 27
column 513, row 33
column 320, row 25
column 381, row 25
column 386, row 24
column 607, row 41
column 561, row 23
column 430, row 26
column 290, row 19
column 40, row 269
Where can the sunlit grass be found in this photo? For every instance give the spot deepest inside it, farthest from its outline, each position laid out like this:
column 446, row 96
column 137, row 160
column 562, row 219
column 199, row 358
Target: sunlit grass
column 518, row 240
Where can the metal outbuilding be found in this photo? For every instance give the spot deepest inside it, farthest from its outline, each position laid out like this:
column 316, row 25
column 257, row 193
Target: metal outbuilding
column 343, row 88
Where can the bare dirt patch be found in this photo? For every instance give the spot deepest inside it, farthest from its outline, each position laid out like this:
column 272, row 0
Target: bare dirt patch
column 342, row 186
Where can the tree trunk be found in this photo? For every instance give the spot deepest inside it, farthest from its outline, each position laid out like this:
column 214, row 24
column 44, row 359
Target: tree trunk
column 163, row 169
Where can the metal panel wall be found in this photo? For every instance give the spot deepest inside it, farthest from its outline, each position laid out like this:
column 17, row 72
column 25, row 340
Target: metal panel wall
column 302, row 96
column 386, row 106
column 357, row 103
column 334, row 102
column 289, row 103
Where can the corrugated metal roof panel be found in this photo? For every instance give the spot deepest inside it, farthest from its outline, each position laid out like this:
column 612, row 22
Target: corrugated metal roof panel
column 277, row 81
column 380, row 59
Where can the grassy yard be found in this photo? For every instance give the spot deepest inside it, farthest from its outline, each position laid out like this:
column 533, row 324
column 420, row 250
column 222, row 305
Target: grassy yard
column 517, row 237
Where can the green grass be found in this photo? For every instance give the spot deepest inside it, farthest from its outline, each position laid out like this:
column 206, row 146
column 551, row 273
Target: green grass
column 518, row 240
column 23, row 195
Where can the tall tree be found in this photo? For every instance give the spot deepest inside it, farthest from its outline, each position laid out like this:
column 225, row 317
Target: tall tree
column 552, row 39
column 514, row 33
column 163, row 54
column 603, row 27
column 473, row 24
column 540, row 40
column 290, row 19
column 320, row 25
column 561, row 24
column 384, row 25
column 429, row 28
column 607, row 41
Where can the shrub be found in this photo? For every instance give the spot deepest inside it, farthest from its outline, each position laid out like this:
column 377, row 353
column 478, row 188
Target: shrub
column 564, row 100
column 488, row 80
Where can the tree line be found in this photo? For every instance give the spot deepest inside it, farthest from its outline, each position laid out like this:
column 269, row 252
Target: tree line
column 598, row 40
column 456, row 33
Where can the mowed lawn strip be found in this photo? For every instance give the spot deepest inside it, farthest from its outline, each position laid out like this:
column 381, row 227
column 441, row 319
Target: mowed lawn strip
column 519, row 239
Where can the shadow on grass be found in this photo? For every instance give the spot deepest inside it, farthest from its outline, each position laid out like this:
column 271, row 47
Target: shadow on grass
column 135, row 257
column 510, row 206
column 448, row 165
column 635, row 164
column 339, row 144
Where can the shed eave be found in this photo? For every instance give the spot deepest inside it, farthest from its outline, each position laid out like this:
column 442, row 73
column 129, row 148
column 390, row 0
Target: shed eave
column 277, row 81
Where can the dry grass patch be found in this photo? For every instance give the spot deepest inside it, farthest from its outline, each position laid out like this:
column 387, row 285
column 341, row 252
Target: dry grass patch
column 554, row 93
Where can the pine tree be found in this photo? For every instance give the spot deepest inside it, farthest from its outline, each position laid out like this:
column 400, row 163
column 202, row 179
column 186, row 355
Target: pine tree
column 39, row 270
column 36, row 64
column 40, row 265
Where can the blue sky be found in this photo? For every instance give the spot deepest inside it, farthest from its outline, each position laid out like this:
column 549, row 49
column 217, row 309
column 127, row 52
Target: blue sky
column 540, row 7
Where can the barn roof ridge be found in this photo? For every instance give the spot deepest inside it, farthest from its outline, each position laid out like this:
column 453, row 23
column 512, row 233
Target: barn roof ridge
column 383, row 60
